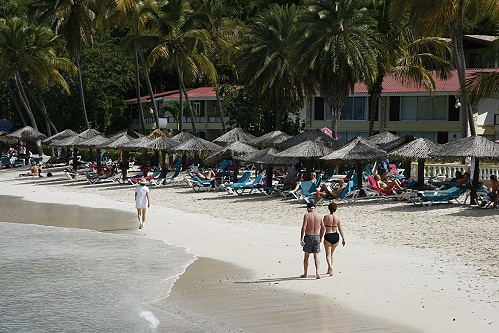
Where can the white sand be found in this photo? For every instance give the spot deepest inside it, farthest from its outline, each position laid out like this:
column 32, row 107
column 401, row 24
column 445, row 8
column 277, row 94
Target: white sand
column 430, row 268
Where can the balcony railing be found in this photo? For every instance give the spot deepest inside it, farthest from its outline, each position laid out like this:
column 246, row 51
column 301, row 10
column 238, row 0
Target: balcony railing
column 448, row 170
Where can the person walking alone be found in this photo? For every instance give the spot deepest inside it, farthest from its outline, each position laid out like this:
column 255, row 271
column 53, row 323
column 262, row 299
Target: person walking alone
column 142, row 201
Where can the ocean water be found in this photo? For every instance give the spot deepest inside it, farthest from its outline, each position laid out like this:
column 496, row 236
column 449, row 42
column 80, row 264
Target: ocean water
column 59, row 279
column 73, row 280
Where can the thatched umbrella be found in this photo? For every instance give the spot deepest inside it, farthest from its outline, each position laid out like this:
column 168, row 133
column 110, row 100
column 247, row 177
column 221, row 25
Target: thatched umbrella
column 156, row 134
column 310, row 135
column 267, row 157
column 270, row 139
column 196, row 146
column 163, row 144
column 235, row 134
column 421, row 149
column 308, row 151
column 138, row 144
column 476, row 147
column 95, row 142
column 183, row 137
column 358, row 150
column 27, row 134
column 236, row 148
column 382, row 138
column 74, row 142
column 61, row 135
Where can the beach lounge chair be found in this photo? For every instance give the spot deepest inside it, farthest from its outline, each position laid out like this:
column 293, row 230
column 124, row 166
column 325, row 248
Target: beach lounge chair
column 307, row 191
column 245, row 178
column 371, row 190
column 114, row 176
column 250, row 186
column 328, row 175
column 440, row 196
column 162, row 181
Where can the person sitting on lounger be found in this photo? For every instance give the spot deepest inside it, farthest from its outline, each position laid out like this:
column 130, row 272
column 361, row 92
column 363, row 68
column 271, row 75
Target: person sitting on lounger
column 209, row 175
column 325, row 191
column 394, row 184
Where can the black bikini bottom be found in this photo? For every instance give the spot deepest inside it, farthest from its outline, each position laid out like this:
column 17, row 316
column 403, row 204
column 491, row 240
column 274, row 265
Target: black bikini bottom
column 332, row 238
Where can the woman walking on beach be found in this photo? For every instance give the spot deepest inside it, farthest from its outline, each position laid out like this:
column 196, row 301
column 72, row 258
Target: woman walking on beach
column 142, row 201
column 331, row 237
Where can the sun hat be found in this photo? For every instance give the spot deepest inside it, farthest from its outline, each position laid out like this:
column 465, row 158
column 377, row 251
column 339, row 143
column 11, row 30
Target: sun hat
column 310, row 205
column 143, row 181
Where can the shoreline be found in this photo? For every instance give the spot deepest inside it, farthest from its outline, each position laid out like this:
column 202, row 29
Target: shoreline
column 385, row 271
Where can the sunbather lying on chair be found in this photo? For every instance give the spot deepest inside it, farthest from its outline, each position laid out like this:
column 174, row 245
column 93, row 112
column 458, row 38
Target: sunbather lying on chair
column 325, row 192
column 394, row 184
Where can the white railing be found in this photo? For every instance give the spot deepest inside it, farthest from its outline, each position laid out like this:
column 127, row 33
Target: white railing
column 448, row 170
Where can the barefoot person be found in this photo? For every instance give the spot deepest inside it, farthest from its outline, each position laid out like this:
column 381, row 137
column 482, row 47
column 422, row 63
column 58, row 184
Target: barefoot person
column 142, row 201
column 312, row 231
column 331, row 238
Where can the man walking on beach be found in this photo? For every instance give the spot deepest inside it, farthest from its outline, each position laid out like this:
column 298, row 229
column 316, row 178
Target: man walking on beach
column 312, row 232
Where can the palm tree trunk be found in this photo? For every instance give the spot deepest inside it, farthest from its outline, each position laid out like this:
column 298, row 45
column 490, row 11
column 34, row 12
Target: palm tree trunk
column 149, row 88
column 80, row 86
column 181, row 111
column 16, row 104
column 219, row 106
column 24, row 101
column 137, row 88
column 466, row 112
column 374, row 96
column 189, row 106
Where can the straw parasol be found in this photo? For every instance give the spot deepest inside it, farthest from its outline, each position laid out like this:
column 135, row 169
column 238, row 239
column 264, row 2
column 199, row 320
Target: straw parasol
column 61, row 135
column 382, row 138
column 163, row 144
column 311, row 135
column 308, row 151
column 141, row 143
column 476, row 147
column 196, row 144
column 421, row 149
column 183, row 137
column 156, row 134
column 234, row 149
column 357, row 150
column 26, row 133
column 235, row 134
column 270, row 139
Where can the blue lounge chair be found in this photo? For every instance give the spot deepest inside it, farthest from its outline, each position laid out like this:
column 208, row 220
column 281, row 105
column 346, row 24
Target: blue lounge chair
column 163, row 180
column 241, row 181
column 306, row 191
column 443, row 196
column 328, row 175
column 240, row 189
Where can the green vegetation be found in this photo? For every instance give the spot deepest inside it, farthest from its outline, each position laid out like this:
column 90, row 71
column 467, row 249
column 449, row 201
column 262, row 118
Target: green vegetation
column 71, row 64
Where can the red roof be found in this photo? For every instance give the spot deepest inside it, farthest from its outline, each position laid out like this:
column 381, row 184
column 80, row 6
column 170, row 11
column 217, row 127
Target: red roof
column 194, row 93
column 390, row 86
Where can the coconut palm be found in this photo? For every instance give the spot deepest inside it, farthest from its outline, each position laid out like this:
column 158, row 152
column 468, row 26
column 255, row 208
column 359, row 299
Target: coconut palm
column 129, row 14
column 218, row 17
column 405, row 56
column 30, row 51
column 73, row 20
column 182, row 45
column 484, row 84
column 337, row 47
column 264, row 58
column 451, row 15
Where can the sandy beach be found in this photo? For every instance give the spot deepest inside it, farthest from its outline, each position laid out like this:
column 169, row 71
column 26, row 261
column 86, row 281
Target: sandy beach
column 419, row 269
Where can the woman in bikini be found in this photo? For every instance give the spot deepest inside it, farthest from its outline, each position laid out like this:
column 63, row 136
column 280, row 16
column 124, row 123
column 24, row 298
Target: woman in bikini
column 331, row 237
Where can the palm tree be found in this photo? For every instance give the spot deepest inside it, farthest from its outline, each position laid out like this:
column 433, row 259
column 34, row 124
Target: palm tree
column 451, row 15
column 72, row 19
column 31, row 51
column 264, row 58
column 182, row 45
column 405, row 56
column 217, row 16
column 337, row 47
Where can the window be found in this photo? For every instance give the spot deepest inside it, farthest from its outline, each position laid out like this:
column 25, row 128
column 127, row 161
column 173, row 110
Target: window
column 196, row 108
column 423, row 108
column 355, row 108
